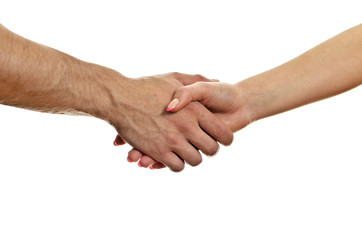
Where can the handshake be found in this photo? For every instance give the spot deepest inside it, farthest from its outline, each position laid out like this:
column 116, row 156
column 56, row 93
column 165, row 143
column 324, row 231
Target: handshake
column 169, row 118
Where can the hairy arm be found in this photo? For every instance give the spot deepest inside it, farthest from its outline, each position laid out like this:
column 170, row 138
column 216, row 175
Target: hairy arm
column 40, row 78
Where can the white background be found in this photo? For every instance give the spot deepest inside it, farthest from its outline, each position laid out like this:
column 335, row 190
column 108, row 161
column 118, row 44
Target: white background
column 292, row 176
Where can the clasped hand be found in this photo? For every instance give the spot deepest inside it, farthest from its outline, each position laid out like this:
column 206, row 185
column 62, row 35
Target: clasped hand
column 164, row 138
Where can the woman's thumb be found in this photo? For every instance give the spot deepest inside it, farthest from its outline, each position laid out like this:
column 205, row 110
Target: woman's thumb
column 185, row 95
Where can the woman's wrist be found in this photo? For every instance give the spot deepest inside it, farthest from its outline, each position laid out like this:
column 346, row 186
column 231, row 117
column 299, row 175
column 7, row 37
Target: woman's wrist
column 253, row 95
column 270, row 93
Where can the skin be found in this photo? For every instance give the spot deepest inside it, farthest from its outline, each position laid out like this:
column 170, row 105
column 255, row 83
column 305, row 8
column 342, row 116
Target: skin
column 40, row 78
column 330, row 68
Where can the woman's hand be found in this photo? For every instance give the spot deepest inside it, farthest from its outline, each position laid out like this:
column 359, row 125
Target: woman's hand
column 226, row 101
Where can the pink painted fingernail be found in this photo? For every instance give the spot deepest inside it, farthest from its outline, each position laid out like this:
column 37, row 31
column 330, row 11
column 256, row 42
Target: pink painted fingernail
column 151, row 167
column 139, row 164
column 115, row 143
column 172, row 104
column 129, row 160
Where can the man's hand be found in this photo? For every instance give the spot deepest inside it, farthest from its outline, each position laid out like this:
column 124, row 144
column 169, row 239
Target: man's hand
column 140, row 118
column 228, row 102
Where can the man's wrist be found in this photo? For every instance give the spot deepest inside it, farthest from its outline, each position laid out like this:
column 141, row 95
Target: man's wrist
column 93, row 88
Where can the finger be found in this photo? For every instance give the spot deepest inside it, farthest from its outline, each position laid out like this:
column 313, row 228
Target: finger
column 146, row 161
column 172, row 161
column 157, row 165
column 185, row 95
column 204, row 143
column 188, row 153
column 214, row 80
column 134, row 155
column 214, row 126
column 118, row 141
column 187, row 79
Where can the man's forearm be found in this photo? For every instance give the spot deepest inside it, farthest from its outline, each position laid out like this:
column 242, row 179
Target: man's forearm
column 40, row 78
column 331, row 68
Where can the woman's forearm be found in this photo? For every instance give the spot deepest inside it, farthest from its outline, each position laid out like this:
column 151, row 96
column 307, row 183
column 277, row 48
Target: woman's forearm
column 330, row 68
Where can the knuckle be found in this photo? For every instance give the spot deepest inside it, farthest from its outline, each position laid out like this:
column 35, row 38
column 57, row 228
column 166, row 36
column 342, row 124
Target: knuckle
column 219, row 131
column 158, row 149
column 171, row 138
column 175, row 74
column 193, row 108
column 183, row 93
column 185, row 127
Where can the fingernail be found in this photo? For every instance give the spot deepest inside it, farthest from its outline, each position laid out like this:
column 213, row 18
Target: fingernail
column 151, row 167
column 129, row 160
column 139, row 164
column 172, row 104
column 115, row 143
